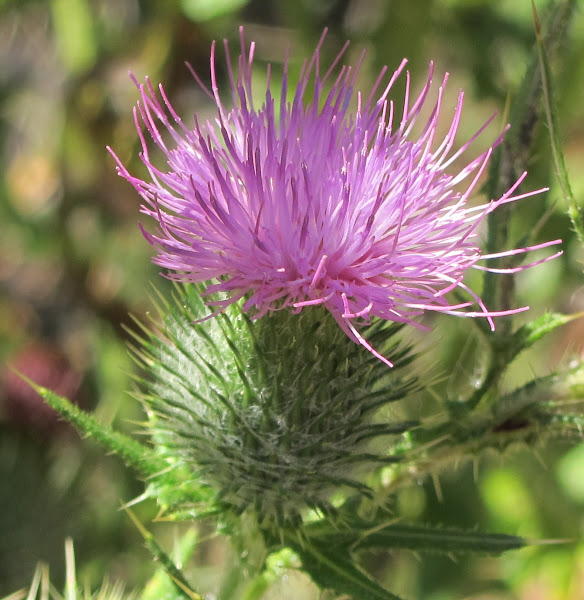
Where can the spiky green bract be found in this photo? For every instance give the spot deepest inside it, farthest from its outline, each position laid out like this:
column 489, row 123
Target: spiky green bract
column 135, row 454
column 270, row 417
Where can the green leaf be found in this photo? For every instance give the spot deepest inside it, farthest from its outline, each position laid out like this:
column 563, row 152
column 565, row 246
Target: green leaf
column 366, row 536
column 336, row 570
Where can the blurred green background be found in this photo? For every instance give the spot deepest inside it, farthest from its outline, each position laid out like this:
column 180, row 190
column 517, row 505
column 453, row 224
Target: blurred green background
column 73, row 266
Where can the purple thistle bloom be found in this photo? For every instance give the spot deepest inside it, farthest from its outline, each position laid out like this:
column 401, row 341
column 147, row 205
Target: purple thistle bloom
column 309, row 202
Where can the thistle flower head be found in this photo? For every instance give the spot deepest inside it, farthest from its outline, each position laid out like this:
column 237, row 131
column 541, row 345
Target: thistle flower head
column 307, row 202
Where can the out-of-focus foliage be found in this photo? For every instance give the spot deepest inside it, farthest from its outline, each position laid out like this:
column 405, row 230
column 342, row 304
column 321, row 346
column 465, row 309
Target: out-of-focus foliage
column 41, row 588
column 73, row 266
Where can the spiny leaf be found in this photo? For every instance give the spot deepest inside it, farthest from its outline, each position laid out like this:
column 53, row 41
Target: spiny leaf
column 331, row 569
column 365, row 536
